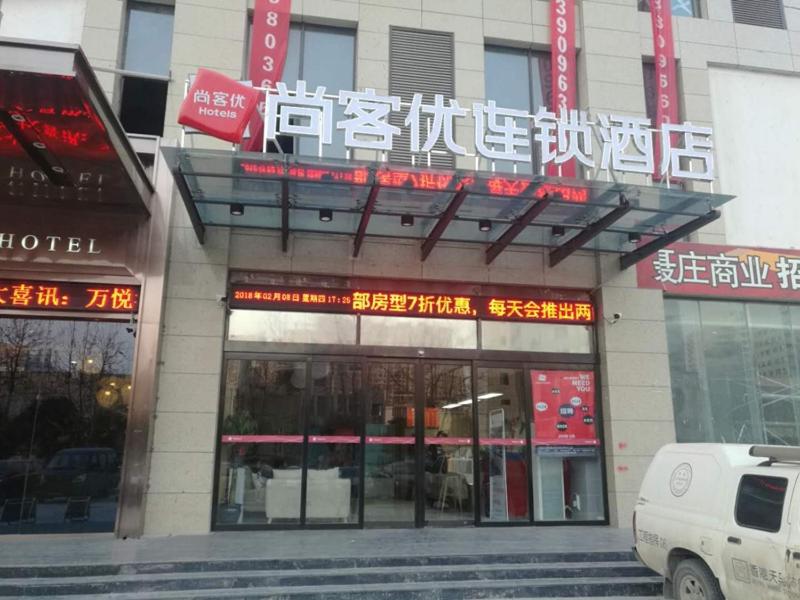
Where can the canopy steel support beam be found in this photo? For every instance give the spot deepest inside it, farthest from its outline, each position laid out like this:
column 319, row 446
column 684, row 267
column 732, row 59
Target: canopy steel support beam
column 516, row 228
column 448, row 215
column 369, row 207
column 285, row 215
column 191, row 207
column 631, row 258
column 593, row 230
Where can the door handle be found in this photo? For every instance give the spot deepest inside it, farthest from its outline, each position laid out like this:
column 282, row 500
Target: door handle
column 734, row 540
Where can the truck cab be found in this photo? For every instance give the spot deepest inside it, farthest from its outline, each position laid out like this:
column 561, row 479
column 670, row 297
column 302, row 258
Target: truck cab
column 722, row 521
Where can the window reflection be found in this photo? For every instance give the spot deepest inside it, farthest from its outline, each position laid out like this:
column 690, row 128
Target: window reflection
column 413, row 331
column 735, row 370
column 65, row 388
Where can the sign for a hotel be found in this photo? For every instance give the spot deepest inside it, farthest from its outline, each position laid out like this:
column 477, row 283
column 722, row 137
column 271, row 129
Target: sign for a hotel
column 726, row 271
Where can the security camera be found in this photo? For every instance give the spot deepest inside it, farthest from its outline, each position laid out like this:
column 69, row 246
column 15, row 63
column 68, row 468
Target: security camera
column 222, row 298
column 614, row 318
column 617, row 316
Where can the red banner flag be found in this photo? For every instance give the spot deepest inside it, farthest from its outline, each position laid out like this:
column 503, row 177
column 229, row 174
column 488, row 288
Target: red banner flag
column 562, row 51
column 666, row 76
column 218, row 105
column 268, row 48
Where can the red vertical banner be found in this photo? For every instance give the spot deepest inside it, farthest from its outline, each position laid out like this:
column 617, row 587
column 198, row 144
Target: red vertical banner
column 268, row 46
column 666, row 75
column 565, row 80
column 563, row 408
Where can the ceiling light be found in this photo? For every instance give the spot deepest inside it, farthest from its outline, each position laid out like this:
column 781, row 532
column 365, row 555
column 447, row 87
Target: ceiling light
column 634, row 237
column 325, row 215
column 558, row 231
column 485, row 225
column 237, row 210
column 407, row 220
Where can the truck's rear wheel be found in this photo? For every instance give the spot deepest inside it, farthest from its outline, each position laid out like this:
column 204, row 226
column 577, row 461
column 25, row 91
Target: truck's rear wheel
column 694, row 581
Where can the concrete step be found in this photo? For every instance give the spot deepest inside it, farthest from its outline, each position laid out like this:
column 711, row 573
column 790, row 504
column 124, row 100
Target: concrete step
column 185, row 581
column 581, row 587
column 193, row 566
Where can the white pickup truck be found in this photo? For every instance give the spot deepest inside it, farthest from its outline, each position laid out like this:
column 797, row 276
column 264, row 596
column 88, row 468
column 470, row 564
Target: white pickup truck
column 722, row 521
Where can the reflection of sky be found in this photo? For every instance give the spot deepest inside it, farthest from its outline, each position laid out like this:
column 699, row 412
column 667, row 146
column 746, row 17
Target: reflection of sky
column 62, row 345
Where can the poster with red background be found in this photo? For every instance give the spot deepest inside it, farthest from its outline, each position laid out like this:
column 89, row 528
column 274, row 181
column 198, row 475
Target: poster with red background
column 563, row 408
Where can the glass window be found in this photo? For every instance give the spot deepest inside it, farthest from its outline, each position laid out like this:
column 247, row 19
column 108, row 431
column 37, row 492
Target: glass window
column 320, row 56
column 759, row 503
column 414, row 331
column 735, row 370
column 65, row 389
column 449, row 480
column 390, row 462
column 148, row 38
column 567, row 484
column 502, row 437
column 291, row 327
column 335, row 417
column 261, row 455
column 536, row 337
column 148, row 49
column 518, row 79
column 680, row 8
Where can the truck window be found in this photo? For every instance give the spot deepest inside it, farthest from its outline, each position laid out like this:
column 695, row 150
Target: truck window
column 759, row 503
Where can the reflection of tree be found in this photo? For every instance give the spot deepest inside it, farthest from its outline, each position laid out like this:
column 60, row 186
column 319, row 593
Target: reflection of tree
column 17, row 337
column 69, row 378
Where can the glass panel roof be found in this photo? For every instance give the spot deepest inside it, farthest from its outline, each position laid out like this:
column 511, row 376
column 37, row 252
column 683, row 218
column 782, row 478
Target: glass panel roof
column 215, row 179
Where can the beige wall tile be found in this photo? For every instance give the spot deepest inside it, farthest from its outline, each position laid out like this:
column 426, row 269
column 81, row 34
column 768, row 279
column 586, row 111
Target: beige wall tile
column 191, row 354
column 646, row 370
column 181, row 472
column 188, row 392
column 185, row 432
column 176, row 514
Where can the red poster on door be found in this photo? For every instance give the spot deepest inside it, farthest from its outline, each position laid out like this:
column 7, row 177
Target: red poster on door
column 666, row 76
column 562, row 56
column 268, row 48
column 563, row 408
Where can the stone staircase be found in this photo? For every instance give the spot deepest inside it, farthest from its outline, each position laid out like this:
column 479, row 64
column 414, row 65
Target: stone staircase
column 519, row 575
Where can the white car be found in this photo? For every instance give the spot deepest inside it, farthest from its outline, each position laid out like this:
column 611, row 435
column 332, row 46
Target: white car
column 722, row 521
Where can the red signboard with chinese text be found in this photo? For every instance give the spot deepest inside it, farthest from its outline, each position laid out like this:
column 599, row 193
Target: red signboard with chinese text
column 451, row 306
column 729, row 271
column 218, row 105
column 666, row 75
column 564, row 408
column 63, row 296
column 562, row 56
column 268, row 47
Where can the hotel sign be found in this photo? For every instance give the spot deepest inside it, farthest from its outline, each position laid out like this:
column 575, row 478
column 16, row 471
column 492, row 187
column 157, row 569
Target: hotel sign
column 727, row 271
column 626, row 143
column 413, row 304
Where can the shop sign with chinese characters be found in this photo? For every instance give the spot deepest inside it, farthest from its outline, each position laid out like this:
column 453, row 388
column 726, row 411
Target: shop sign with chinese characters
column 68, row 296
column 729, row 271
column 413, row 304
column 627, row 143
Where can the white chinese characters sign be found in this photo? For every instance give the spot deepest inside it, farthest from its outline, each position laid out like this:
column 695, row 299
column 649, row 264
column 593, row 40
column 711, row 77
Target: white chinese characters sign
column 606, row 141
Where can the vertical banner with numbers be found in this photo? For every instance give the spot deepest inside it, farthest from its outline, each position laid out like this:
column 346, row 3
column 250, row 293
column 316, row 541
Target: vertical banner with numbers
column 562, row 51
column 666, row 75
column 267, row 55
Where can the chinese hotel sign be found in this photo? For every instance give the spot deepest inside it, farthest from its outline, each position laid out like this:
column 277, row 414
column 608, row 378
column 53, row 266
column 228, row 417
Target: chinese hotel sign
column 408, row 304
column 730, row 271
column 626, row 143
column 68, row 296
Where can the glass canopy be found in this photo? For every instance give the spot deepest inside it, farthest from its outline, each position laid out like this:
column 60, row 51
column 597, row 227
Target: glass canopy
column 302, row 194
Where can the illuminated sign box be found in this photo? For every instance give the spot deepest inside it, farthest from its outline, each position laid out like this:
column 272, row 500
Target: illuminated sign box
column 68, row 296
column 413, row 304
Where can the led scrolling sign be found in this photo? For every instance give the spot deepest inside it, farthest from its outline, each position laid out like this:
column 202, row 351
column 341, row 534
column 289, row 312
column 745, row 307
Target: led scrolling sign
column 63, row 296
column 413, row 304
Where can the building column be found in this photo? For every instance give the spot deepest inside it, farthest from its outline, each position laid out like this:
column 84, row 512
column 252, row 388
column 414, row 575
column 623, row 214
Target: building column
column 635, row 384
